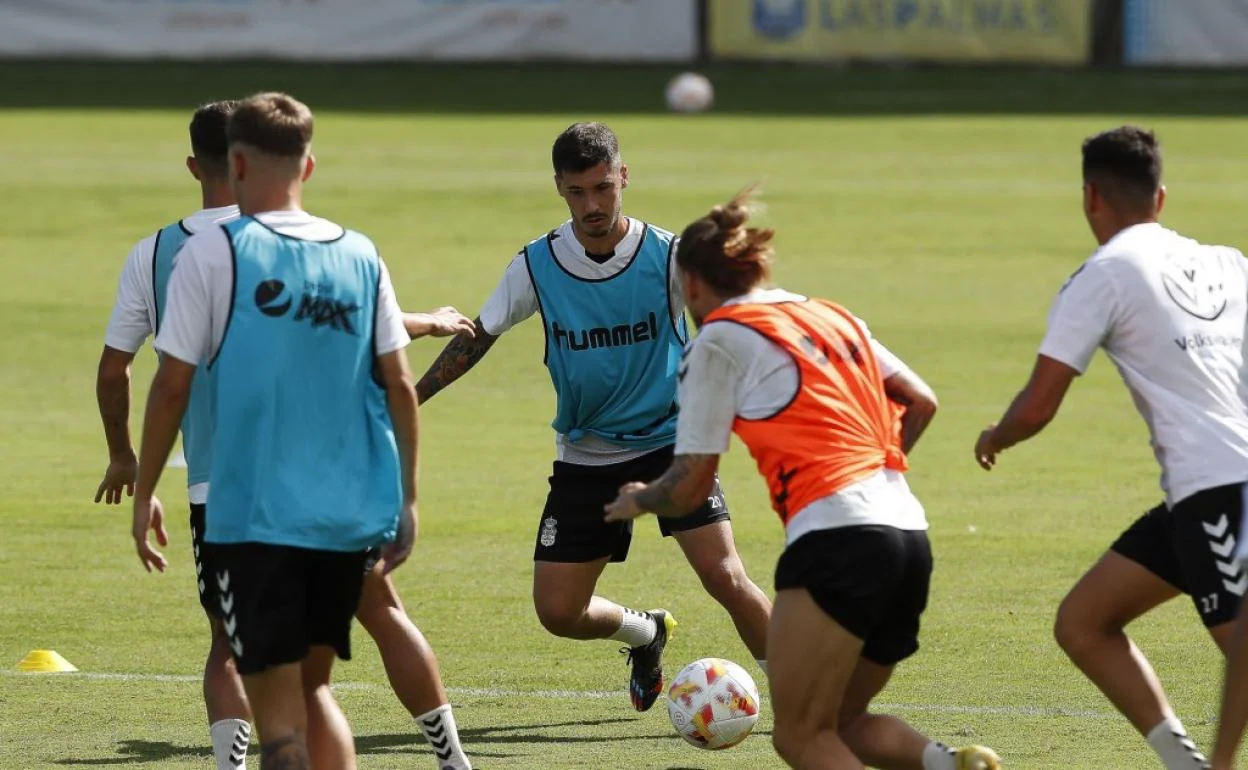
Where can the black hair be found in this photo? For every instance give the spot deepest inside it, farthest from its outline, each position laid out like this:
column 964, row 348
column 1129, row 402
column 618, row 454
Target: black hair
column 208, row 143
column 584, row 145
column 1124, row 164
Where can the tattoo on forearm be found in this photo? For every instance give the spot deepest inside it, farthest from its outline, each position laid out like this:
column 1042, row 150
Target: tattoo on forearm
column 657, row 496
column 460, row 354
column 289, row 753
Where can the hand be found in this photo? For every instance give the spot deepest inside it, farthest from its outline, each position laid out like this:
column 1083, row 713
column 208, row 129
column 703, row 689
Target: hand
column 396, row 552
column 120, row 474
column 986, row 449
column 149, row 514
column 625, row 506
column 445, row 322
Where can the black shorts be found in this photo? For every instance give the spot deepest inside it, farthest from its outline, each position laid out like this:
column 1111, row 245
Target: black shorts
column 207, row 587
column 1192, row 547
column 573, row 529
column 279, row 601
column 872, row 580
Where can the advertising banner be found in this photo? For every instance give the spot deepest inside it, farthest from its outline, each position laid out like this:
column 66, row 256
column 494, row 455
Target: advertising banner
column 1046, row 31
column 617, row 30
column 1209, row 33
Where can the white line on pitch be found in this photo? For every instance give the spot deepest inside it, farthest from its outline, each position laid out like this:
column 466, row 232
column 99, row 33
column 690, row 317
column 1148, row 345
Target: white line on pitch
column 498, row 692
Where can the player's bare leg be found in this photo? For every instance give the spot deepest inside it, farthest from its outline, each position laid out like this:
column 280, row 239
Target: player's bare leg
column 1090, row 628
column 563, row 594
column 411, row 667
column 276, row 697
column 889, row 743
column 330, row 743
column 811, row 664
column 229, row 715
column 712, row 553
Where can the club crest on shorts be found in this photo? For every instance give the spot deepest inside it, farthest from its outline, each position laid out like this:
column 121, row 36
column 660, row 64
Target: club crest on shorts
column 550, row 529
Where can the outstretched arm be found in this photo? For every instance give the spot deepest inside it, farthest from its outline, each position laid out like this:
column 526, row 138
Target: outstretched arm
column 460, row 354
column 1031, row 411
column 680, row 491
column 909, row 390
column 443, row 322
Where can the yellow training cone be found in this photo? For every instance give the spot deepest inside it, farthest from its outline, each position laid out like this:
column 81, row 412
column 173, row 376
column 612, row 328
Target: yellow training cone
column 45, row 662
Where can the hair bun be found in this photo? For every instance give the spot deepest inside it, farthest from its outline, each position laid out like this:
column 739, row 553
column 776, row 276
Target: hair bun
column 731, row 216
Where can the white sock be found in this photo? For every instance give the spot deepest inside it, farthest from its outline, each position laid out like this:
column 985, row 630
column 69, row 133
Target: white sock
column 938, row 756
column 439, row 729
column 763, row 665
column 1177, row 751
column 230, row 738
column 636, row 629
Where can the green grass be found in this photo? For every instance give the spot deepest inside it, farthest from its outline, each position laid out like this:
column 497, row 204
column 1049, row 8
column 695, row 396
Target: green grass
column 941, row 206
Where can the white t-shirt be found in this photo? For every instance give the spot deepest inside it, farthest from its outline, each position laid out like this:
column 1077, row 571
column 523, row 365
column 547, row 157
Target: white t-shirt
column 734, row 371
column 515, row 300
column 134, row 311
column 1171, row 314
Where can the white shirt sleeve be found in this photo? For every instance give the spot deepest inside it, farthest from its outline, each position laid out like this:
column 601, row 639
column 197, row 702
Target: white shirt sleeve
column 200, row 289
column 391, row 334
column 134, row 309
column 708, row 395
column 675, row 288
column 1082, row 317
column 513, row 301
column 888, row 361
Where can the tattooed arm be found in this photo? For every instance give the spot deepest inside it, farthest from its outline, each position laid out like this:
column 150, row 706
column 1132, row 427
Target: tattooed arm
column 680, row 491
column 460, row 354
column 909, row 390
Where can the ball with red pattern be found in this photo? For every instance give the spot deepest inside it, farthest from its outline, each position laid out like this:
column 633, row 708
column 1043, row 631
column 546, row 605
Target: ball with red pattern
column 713, row 703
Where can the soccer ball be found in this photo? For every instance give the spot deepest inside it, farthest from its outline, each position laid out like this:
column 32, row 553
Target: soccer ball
column 690, row 92
column 713, row 703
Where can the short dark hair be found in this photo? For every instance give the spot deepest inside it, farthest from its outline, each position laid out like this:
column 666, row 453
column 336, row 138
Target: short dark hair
column 274, row 123
column 1124, row 164
column 584, row 145
column 208, row 142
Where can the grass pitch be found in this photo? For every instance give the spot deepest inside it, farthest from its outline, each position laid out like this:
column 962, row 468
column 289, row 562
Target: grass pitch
column 943, row 207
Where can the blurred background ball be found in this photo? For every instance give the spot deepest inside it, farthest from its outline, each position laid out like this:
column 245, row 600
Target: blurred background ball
column 690, row 92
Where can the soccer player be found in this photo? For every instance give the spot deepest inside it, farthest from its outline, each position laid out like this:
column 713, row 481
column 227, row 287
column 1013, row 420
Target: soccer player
column 1233, row 716
column 140, row 304
column 314, row 444
column 608, row 294
column 1170, row 313
column 819, row 404
column 137, row 313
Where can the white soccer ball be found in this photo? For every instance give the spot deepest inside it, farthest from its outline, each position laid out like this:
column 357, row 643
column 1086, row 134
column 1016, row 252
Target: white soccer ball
column 713, row 703
column 690, row 92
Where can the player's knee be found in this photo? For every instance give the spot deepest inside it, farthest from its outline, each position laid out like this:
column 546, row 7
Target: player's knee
column 560, row 615
column 725, row 580
column 378, row 616
column 1074, row 630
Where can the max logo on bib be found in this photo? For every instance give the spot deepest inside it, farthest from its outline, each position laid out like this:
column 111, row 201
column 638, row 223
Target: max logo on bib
column 275, row 300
